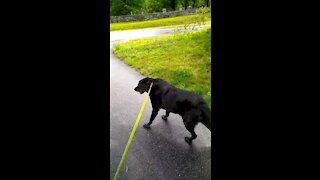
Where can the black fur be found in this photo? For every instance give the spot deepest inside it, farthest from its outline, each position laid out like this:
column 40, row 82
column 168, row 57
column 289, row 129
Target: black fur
column 190, row 106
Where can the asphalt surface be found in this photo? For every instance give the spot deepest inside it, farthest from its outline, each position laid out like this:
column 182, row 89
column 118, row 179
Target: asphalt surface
column 160, row 153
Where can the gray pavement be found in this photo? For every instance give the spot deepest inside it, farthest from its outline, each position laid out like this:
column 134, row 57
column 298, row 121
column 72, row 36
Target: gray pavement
column 160, row 153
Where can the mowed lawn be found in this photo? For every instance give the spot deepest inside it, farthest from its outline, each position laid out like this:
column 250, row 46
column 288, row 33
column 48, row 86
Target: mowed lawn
column 173, row 21
column 184, row 60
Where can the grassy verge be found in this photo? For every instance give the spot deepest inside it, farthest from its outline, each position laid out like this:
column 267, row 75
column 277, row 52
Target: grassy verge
column 182, row 60
column 174, row 21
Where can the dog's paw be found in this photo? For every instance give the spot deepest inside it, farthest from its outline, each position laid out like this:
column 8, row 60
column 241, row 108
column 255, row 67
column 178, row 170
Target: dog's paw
column 188, row 140
column 164, row 117
column 146, row 126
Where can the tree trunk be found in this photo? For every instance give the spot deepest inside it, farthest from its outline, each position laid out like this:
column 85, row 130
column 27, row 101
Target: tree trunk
column 186, row 4
column 173, row 5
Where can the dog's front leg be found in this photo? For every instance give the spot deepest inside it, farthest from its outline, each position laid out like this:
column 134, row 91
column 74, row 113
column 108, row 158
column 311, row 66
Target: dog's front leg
column 153, row 115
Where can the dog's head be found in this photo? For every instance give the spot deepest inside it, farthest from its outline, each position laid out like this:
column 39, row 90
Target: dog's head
column 144, row 85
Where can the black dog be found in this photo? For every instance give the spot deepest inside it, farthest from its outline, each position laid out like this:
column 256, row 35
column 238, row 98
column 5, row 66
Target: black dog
column 190, row 106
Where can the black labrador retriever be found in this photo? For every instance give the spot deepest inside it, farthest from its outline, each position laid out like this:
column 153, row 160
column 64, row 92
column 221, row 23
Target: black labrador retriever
column 190, row 106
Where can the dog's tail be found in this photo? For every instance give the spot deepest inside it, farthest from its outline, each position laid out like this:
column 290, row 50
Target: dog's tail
column 206, row 115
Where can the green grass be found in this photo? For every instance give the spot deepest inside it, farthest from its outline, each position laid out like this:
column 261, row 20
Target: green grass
column 182, row 60
column 174, row 21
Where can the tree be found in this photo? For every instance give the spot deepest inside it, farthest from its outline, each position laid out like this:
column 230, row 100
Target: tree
column 207, row 3
column 184, row 3
column 173, row 4
column 125, row 7
column 158, row 5
column 118, row 7
column 194, row 3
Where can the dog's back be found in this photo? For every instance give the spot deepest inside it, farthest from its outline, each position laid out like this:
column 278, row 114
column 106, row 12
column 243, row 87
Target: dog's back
column 180, row 101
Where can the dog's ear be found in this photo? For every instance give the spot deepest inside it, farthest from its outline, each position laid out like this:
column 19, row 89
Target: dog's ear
column 149, row 81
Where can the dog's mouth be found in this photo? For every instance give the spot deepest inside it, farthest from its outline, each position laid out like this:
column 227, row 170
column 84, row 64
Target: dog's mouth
column 136, row 89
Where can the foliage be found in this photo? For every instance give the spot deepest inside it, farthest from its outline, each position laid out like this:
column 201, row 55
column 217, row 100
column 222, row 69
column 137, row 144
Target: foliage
column 198, row 20
column 202, row 15
column 125, row 7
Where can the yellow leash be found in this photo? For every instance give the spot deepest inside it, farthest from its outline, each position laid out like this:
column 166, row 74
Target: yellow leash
column 132, row 134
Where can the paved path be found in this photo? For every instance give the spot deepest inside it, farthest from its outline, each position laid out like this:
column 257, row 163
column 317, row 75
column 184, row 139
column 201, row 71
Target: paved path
column 161, row 152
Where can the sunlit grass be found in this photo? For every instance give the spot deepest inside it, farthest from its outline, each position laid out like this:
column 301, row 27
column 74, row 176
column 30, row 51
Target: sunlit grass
column 173, row 21
column 183, row 60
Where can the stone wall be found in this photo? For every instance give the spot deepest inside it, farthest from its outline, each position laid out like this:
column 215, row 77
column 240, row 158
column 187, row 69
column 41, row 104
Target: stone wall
column 141, row 17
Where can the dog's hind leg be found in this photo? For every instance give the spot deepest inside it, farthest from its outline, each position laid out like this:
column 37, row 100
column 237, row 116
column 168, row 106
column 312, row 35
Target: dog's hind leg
column 189, row 123
column 153, row 115
column 165, row 117
column 190, row 127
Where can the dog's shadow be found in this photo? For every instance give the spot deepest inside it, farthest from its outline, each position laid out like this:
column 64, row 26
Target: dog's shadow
column 165, row 146
column 173, row 131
